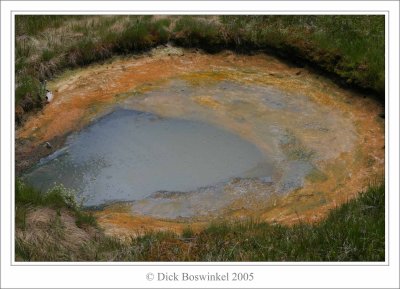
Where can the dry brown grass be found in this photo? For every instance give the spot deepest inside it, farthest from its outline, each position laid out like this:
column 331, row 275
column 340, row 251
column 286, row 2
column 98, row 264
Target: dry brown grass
column 53, row 232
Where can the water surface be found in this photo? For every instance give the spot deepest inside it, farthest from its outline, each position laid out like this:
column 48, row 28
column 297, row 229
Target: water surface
column 127, row 155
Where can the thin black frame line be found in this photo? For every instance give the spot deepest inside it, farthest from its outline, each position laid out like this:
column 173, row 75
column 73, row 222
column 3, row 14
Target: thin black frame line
column 196, row 265
column 11, row 42
column 12, row 14
column 260, row 12
column 207, row 1
column 12, row 122
column 388, row 212
column 1, row 175
column 227, row 287
column 217, row 287
column 388, row 129
column 388, row 134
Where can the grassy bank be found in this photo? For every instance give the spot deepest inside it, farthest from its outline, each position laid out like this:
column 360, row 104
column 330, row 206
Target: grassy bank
column 349, row 48
column 50, row 227
column 58, row 198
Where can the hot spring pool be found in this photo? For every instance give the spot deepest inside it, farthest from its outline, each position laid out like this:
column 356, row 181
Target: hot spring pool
column 126, row 155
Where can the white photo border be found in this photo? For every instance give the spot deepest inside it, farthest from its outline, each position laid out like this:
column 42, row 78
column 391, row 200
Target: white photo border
column 363, row 271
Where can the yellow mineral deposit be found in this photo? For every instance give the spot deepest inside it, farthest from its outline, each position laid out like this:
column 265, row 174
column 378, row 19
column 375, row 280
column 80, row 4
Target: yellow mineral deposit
column 349, row 156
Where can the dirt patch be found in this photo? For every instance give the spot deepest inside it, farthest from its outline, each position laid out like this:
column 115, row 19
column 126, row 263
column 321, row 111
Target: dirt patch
column 118, row 220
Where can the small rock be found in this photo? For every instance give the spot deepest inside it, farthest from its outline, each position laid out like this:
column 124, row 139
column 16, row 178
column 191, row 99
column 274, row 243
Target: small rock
column 49, row 96
column 48, row 145
column 298, row 72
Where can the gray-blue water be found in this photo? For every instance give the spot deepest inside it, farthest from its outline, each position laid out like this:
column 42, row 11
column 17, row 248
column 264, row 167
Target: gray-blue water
column 128, row 155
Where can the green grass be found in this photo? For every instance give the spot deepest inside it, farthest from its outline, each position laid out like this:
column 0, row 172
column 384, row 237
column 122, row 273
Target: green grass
column 187, row 233
column 84, row 219
column 27, row 197
column 352, row 47
column 47, row 55
column 192, row 31
column 58, row 197
column 28, row 88
column 348, row 47
column 32, row 25
column 355, row 231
